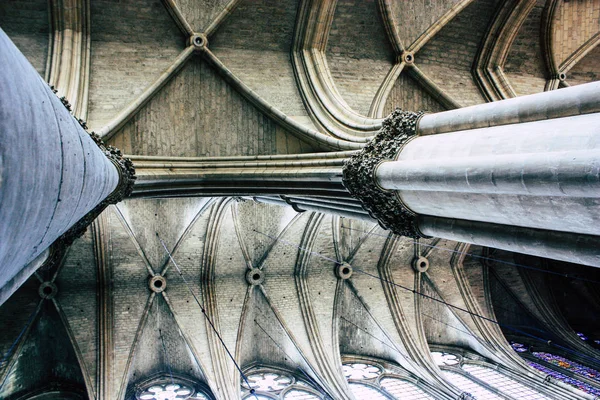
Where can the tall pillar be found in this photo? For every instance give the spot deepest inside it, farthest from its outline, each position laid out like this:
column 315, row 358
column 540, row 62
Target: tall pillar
column 54, row 177
column 521, row 174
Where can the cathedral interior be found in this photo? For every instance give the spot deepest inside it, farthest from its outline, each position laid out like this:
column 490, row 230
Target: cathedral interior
column 243, row 262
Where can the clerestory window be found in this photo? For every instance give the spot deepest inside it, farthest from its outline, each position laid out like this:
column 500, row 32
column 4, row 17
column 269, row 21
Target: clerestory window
column 373, row 381
column 481, row 380
column 560, row 368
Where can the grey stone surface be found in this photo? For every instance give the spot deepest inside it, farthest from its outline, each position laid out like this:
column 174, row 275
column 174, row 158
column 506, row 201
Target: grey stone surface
column 52, row 173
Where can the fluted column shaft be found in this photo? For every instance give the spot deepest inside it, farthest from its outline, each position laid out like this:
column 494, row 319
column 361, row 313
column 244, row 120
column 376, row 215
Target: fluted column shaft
column 521, row 175
column 543, row 174
column 51, row 172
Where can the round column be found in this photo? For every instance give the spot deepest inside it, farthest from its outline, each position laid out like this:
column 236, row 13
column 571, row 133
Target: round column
column 543, row 174
column 51, row 172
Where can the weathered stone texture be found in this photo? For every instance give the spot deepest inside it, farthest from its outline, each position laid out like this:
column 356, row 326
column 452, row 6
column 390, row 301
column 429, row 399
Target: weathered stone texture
column 276, row 347
column 133, row 42
column 359, row 332
column 322, row 282
column 15, row 315
column 574, row 23
column 259, row 52
column 278, row 286
column 440, row 322
column 230, row 288
column 358, row 52
column 409, row 95
column 474, row 272
column 270, row 75
column 76, row 284
column 199, row 114
column 368, row 289
column 170, row 218
column 200, row 13
column 414, row 17
column 259, row 225
column 403, row 274
column 586, row 70
column 189, row 255
column 448, row 58
column 47, row 356
column 129, row 295
column 27, row 23
column 524, row 65
column 258, row 25
column 442, row 276
column 161, row 349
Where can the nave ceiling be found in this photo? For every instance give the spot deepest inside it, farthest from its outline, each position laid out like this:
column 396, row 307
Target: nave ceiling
column 281, row 77
column 106, row 327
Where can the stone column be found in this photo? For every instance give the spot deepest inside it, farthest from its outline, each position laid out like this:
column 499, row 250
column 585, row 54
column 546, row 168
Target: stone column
column 528, row 168
column 53, row 174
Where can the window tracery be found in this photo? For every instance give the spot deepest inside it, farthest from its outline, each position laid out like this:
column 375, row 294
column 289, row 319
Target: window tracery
column 468, row 375
column 171, row 389
column 371, row 381
column 271, row 384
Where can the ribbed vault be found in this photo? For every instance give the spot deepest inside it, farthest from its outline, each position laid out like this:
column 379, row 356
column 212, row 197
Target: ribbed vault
column 267, row 90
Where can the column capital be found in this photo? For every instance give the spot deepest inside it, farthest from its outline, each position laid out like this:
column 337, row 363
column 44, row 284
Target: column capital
column 359, row 173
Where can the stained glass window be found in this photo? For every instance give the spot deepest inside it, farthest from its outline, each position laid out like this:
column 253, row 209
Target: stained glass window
column 568, row 364
column 269, row 382
column 566, row 379
column 518, row 347
column 444, row 358
column 562, row 362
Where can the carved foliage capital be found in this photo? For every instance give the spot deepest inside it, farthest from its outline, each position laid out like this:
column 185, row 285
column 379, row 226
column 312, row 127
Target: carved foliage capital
column 359, row 173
